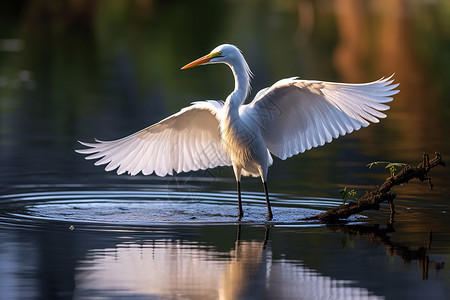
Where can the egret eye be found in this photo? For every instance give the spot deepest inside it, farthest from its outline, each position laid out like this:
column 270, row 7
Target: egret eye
column 216, row 54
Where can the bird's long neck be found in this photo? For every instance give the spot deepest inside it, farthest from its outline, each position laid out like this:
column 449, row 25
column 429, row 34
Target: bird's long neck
column 241, row 88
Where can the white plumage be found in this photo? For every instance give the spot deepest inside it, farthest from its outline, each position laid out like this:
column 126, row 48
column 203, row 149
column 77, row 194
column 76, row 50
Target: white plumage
column 288, row 118
column 186, row 141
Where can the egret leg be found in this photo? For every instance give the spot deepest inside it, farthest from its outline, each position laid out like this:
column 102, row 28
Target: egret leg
column 241, row 211
column 269, row 209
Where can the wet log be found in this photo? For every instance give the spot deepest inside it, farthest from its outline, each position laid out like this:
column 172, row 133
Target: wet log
column 372, row 199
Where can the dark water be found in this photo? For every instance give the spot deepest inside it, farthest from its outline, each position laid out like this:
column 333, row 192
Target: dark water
column 75, row 70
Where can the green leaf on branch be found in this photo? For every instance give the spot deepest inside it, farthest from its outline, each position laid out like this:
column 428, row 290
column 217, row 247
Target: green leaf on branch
column 391, row 166
column 348, row 195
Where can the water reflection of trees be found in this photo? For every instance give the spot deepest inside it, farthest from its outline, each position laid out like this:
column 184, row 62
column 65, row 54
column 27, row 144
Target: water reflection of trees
column 382, row 37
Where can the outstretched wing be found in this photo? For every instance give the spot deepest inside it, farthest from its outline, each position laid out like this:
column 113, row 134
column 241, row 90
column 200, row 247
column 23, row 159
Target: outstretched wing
column 296, row 115
column 186, row 141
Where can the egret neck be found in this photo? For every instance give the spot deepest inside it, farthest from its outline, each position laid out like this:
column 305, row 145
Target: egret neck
column 241, row 72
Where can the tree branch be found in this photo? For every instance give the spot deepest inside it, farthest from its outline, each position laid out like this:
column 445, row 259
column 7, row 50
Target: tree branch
column 371, row 200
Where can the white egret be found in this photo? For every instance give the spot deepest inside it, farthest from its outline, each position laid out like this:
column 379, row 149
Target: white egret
column 285, row 119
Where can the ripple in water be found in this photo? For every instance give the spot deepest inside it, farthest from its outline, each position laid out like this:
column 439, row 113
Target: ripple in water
column 150, row 206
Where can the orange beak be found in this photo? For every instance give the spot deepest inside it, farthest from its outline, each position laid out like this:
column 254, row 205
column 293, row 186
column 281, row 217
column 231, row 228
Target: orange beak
column 202, row 60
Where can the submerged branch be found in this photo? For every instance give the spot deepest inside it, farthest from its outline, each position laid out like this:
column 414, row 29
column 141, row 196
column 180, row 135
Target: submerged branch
column 371, row 200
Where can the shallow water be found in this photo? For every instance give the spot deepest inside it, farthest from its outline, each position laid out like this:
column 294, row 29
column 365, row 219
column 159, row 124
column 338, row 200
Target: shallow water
column 137, row 241
column 77, row 71
column 151, row 206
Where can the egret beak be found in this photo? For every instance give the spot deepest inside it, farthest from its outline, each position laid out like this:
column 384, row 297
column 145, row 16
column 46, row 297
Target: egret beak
column 202, row 60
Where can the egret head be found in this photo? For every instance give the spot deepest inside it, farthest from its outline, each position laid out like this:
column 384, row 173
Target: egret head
column 226, row 53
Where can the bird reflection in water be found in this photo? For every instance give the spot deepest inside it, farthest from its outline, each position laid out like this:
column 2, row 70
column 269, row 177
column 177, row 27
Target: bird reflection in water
column 248, row 265
column 177, row 268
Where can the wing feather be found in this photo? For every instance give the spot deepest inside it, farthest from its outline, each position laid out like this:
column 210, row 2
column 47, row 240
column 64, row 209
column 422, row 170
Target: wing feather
column 186, row 141
column 296, row 115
